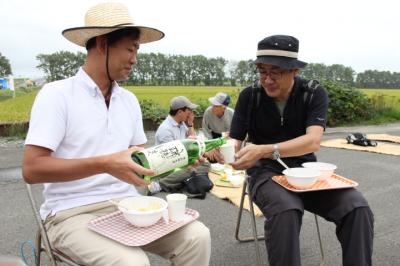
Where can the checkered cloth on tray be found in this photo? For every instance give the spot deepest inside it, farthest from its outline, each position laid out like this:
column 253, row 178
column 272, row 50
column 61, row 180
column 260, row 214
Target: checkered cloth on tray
column 116, row 227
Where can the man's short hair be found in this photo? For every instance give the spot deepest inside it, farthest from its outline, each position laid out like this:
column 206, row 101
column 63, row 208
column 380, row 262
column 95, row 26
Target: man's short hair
column 115, row 36
column 173, row 112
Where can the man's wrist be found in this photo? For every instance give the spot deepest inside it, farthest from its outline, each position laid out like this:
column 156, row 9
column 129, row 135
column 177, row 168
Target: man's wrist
column 275, row 152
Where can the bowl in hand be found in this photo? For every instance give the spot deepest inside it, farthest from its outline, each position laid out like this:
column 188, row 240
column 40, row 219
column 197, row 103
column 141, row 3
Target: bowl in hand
column 301, row 177
column 143, row 211
column 326, row 169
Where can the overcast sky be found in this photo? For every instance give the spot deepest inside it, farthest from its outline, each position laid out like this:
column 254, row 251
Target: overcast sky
column 361, row 34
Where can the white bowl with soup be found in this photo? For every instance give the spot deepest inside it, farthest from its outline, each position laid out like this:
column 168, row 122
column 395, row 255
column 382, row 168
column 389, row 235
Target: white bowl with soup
column 301, row 177
column 143, row 211
column 326, row 169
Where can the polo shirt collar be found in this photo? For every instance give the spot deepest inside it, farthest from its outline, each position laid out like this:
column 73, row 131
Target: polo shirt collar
column 91, row 87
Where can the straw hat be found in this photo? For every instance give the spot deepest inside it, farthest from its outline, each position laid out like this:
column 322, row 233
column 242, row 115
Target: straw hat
column 105, row 18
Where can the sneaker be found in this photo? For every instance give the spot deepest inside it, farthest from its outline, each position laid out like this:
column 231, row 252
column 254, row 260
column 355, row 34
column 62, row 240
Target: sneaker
column 153, row 188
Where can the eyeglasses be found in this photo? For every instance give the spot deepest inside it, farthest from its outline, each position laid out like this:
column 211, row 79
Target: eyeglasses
column 273, row 74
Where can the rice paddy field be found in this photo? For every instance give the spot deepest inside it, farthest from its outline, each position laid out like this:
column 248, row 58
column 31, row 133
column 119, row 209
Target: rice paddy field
column 163, row 94
column 14, row 110
column 384, row 98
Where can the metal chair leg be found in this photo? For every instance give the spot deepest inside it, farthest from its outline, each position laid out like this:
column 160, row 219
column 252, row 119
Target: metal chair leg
column 237, row 230
column 255, row 237
column 41, row 228
column 320, row 241
column 38, row 245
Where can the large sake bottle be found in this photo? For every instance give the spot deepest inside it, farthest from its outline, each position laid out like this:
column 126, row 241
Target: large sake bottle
column 174, row 156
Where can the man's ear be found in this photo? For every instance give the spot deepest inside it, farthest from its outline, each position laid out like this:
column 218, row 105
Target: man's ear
column 101, row 44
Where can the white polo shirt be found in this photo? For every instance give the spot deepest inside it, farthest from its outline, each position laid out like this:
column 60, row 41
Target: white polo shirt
column 70, row 118
column 170, row 130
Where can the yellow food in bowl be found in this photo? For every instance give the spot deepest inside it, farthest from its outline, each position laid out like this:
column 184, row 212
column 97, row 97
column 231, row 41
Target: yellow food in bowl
column 150, row 207
column 224, row 177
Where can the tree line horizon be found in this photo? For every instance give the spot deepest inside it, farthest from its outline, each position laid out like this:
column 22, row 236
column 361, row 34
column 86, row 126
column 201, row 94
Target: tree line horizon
column 157, row 69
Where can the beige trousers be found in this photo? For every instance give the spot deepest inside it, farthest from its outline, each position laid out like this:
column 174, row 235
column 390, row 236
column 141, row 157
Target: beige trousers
column 68, row 232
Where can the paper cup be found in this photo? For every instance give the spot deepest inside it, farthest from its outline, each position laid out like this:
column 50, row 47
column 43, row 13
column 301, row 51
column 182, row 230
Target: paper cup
column 176, row 206
column 228, row 151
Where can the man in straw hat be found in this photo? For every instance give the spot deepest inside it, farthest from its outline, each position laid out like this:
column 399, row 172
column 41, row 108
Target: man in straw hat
column 285, row 117
column 82, row 132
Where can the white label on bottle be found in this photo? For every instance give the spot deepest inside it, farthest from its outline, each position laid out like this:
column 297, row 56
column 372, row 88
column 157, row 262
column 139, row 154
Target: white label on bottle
column 167, row 156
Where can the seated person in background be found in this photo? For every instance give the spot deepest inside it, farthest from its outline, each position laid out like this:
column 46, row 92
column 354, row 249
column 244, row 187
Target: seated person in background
column 286, row 125
column 179, row 124
column 218, row 117
column 82, row 133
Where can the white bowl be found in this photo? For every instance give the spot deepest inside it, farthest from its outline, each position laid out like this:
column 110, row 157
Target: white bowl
column 300, row 177
column 236, row 180
column 217, row 167
column 326, row 169
column 143, row 211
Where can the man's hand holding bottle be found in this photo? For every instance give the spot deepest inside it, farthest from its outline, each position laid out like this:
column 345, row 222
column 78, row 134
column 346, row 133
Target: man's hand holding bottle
column 121, row 166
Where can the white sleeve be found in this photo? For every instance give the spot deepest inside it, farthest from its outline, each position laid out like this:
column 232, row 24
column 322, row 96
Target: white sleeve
column 48, row 118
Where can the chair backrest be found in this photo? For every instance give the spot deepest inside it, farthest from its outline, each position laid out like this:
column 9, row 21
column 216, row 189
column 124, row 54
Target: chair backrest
column 41, row 236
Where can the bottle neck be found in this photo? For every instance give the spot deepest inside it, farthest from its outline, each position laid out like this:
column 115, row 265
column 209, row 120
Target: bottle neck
column 214, row 143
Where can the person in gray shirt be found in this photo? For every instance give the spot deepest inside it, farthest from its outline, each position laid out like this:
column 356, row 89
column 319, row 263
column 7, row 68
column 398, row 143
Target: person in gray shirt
column 218, row 117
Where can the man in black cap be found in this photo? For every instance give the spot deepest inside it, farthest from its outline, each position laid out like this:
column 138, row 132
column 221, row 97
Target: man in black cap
column 284, row 117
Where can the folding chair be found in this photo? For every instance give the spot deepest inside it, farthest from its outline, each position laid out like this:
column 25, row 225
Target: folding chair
column 41, row 234
column 255, row 237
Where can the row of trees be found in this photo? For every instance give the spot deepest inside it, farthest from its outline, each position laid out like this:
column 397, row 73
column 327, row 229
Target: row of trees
column 178, row 70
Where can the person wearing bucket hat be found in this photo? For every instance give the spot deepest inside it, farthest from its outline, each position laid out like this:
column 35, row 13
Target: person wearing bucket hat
column 218, row 117
column 284, row 117
column 82, row 133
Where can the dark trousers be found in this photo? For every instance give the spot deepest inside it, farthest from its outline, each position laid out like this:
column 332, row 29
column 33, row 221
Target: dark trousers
column 284, row 209
column 354, row 232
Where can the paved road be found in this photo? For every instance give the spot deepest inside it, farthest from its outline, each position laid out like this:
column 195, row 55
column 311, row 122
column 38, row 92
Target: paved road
column 377, row 174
